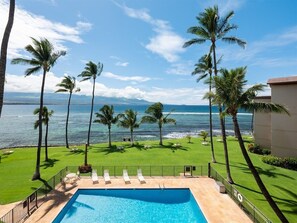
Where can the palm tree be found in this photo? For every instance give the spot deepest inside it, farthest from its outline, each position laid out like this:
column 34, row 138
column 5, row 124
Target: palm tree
column 45, row 120
column 204, row 68
column 44, row 58
column 68, row 84
column 4, row 46
column 129, row 121
column 211, row 27
column 155, row 115
column 232, row 93
column 92, row 71
column 106, row 117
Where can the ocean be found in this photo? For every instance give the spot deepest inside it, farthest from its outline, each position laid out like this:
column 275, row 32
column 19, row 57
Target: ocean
column 16, row 124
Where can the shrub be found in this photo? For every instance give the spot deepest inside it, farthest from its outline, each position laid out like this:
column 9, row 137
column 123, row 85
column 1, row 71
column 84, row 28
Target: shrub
column 286, row 162
column 257, row 149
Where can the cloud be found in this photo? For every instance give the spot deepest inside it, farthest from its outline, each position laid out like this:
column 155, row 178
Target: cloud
column 189, row 96
column 165, row 95
column 122, row 64
column 28, row 25
column 119, row 62
column 125, row 78
column 264, row 49
column 225, row 6
column 165, row 43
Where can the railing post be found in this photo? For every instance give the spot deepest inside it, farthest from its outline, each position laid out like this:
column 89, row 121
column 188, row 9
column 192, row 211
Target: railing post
column 150, row 171
column 208, row 172
column 12, row 218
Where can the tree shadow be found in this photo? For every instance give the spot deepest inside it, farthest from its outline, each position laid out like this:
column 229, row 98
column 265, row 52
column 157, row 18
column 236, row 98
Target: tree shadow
column 289, row 203
column 49, row 163
column 75, row 152
column 57, row 197
column 267, row 172
column 174, row 147
column 113, row 149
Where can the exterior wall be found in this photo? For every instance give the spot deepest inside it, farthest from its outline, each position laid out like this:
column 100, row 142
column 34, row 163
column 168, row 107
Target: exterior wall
column 284, row 127
column 262, row 126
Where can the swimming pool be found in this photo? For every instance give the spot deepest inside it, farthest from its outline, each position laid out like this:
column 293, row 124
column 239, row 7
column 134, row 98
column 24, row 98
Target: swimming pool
column 131, row 205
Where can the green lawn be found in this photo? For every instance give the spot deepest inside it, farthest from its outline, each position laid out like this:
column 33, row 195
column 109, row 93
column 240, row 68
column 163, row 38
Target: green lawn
column 17, row 169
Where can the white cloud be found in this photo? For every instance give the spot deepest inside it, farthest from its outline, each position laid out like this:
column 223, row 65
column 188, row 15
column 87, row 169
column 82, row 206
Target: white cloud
column 122, row 64
column 225, row 6
column 258, row 48
column 190, row 96
column 31, row 83
column 125, row 78
column 28, row 25
column 165, row 95
column 165, row 43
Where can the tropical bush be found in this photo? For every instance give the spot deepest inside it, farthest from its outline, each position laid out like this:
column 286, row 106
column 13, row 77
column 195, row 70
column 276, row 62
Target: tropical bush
column 286, row 162
column 258, row 150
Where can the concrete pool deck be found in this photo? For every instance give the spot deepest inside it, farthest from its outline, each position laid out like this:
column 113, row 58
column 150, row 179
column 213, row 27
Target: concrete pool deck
column 216, row 207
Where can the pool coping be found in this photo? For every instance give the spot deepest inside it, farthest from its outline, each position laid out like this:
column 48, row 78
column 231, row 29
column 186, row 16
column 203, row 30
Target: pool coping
column 215, row 206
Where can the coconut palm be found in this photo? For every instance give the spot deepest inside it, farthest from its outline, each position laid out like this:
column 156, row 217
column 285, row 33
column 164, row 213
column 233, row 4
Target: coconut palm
column 204, row 69
column 44, row 58
column 45, row 120
column 232, row 93
column 211, row 27
column 92, row 71
column 129, row 120
column 106, row 117
column 4, row 46
column 68, row 84
column 155, row 115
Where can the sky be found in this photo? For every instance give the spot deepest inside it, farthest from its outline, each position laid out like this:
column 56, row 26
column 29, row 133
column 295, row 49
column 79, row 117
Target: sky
column 139, row 42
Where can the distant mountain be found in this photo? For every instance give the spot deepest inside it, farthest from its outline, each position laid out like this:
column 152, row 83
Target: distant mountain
column 54, row 98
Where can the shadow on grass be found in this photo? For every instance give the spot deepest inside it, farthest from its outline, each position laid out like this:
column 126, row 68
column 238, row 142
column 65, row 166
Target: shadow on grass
column 289, row 203
column 267, row 172
column 113, row 149
column 75, row 152
column 48, row 163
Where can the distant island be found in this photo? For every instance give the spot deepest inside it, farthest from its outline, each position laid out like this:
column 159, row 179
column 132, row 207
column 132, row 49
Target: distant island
column 61, row 99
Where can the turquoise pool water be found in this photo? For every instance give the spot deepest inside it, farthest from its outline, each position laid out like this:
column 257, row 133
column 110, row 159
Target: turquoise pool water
column 131, row 205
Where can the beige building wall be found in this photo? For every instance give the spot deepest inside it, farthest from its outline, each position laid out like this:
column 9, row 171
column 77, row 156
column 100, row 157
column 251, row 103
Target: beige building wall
column 262, row 126
column 279, row 131
column 284, row 127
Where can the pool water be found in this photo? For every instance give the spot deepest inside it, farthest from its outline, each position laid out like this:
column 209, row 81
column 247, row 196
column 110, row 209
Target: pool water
column 131, row 205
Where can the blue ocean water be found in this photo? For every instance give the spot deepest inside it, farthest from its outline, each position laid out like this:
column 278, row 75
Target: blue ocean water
column 131, row 205
column 16, row 124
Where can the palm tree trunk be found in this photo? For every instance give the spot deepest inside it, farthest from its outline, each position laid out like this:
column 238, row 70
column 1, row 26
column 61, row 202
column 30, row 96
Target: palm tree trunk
column 91, row 115
column 131, row 137
column 260, row 183
column 4, row 46
column 67, row 118
column 37, row 168
column 109, row 137
column 161, row 141
column 46, row 137
column 229, row 178
column 213, row 159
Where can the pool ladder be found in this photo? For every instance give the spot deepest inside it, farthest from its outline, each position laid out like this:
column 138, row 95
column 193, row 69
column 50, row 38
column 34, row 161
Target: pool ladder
column 162, row 186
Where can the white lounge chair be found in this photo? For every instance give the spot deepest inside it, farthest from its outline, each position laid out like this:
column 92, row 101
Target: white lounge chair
column 140, row 176
column 126, row 176
column 106, row 176
column 95, row 176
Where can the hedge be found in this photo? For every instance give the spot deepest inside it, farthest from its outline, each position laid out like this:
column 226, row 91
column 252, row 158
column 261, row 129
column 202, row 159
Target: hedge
column 286, row 162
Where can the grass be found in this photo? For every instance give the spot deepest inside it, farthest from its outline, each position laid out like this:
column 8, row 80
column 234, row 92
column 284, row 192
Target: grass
column 16, row 169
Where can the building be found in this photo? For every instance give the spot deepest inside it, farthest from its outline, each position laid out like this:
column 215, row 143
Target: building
column 279, row 131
